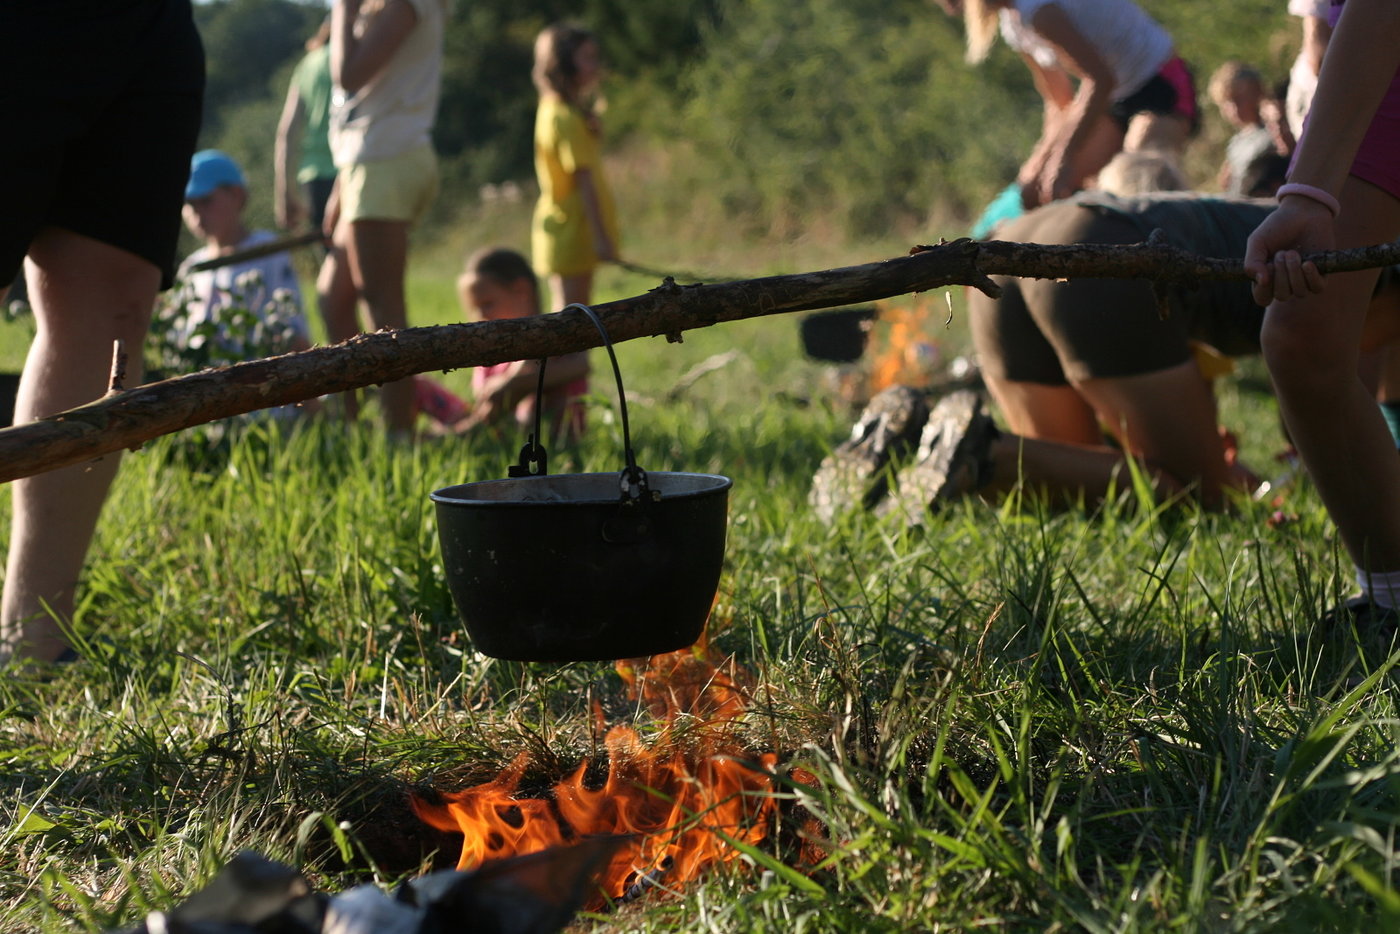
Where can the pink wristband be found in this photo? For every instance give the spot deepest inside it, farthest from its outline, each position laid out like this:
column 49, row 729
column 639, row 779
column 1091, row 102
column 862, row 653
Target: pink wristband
column 1312, row 193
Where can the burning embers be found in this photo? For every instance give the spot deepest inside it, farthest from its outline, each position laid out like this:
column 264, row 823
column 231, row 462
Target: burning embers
column 680, row 800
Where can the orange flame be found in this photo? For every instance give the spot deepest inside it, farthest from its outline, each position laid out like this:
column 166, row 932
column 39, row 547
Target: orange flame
column 679, row 799
column 908, row 355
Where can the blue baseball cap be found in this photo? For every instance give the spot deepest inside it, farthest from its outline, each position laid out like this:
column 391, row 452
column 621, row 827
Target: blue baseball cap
column 210, row 169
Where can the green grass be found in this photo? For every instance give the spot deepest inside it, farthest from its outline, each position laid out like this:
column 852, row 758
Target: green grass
column 1121, row 720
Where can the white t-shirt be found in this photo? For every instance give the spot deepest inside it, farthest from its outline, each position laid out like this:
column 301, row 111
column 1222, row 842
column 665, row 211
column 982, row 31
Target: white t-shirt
column 1133, row 44
column 393, row 113
column 1302, row 83
column 265, row 285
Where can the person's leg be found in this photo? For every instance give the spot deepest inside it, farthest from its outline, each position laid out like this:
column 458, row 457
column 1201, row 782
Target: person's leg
column 1167, row 133
column 1168, row 419
column 1067, row 474
column 1311, row 347
column 567, row 290
column 1049, row 413
column 1105, row 142
column 378, row 253
column 1055, row 445
column 85, row 295
column 338, row 303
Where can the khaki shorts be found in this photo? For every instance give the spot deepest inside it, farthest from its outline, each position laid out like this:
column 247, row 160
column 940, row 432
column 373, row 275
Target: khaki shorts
column 396, row 189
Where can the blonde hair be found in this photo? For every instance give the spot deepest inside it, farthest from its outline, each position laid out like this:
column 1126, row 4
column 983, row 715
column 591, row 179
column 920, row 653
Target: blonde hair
column 1223, row 81
column 982, row 24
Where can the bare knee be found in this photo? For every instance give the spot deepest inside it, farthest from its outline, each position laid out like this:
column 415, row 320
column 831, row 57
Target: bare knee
column 1303, row 348
column 88, row 289
column 334, row 274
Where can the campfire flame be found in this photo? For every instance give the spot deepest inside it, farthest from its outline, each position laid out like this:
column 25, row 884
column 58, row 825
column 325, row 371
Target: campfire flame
column 680, row 799
column 905, row 353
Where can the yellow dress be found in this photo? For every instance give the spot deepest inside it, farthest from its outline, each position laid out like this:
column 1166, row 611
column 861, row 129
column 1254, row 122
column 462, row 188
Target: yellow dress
column 561, row 239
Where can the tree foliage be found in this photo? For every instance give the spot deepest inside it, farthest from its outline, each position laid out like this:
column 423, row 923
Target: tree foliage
column 246, row 43
column 488, row 101
column 860, row 111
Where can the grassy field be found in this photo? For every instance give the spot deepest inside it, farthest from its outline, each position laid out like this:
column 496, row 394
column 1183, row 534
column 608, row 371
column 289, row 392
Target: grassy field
column 1121, row 720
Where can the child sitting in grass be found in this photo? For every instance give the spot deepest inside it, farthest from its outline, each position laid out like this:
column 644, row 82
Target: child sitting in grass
column 498, row 284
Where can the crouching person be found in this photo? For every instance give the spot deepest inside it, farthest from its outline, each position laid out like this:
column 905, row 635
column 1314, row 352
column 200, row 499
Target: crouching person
column 1070, row 361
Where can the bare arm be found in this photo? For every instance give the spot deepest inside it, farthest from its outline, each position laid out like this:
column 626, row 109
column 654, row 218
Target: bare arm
column 1316, row 34
column 1353, row 81
column 1363, row 59
column 521, row 380
column 1054, row 84
column 290, row 211
column 501, row 394
column 356, row 60
column 1091, row 101
column 588, row 193
column 1057, row 92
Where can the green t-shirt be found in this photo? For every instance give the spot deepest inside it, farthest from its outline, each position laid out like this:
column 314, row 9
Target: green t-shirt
column 312, row 79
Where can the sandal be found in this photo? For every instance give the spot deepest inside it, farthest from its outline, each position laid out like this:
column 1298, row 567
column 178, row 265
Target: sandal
column 857, row 473
column 954, row 458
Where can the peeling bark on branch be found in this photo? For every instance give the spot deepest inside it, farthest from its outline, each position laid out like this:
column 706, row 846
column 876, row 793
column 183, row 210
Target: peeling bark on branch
column 129, row 418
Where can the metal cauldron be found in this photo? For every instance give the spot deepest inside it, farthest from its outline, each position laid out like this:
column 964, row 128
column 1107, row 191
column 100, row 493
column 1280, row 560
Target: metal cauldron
column 838, row 335
column 583, row 567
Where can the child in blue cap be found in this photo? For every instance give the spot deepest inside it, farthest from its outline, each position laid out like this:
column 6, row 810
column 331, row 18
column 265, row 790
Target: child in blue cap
column 215, row 198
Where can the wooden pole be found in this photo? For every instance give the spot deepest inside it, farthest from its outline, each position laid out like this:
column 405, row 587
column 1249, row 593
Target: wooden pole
column 128, row 418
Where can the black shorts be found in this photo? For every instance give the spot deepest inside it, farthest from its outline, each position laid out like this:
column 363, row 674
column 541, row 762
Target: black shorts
column 318, row 192
column 1054, row 332
column 1171, row 91
column 105, row 100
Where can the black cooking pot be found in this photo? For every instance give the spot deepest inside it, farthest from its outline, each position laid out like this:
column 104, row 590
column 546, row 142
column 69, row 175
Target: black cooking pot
column 838, row 335
column 583, row 567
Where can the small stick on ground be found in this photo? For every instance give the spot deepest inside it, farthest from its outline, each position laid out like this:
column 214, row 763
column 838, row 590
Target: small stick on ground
column 691, row 376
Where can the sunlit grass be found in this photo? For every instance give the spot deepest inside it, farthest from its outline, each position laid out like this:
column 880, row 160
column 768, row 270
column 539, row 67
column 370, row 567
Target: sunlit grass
column 1121, row 720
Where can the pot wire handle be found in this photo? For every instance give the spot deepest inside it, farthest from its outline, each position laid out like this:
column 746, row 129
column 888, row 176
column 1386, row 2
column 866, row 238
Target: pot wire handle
column 533, row 452
column 634, row 478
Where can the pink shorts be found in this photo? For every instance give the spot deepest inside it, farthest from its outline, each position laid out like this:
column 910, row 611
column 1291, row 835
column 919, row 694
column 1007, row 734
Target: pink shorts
column 1171, row 90
column 438, row 402
column 1179, row 77
column 1378, row 158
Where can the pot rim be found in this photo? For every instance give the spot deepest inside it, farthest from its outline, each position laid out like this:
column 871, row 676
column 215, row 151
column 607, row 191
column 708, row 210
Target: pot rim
column 445, row 497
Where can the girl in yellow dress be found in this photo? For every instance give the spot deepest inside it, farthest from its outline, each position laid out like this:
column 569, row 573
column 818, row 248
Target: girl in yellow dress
column 575, row 226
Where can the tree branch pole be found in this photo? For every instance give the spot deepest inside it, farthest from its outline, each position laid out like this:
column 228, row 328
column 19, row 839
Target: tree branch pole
column 128, row 418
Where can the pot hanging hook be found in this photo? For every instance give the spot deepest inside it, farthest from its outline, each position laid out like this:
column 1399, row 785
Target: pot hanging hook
column 633, row 481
